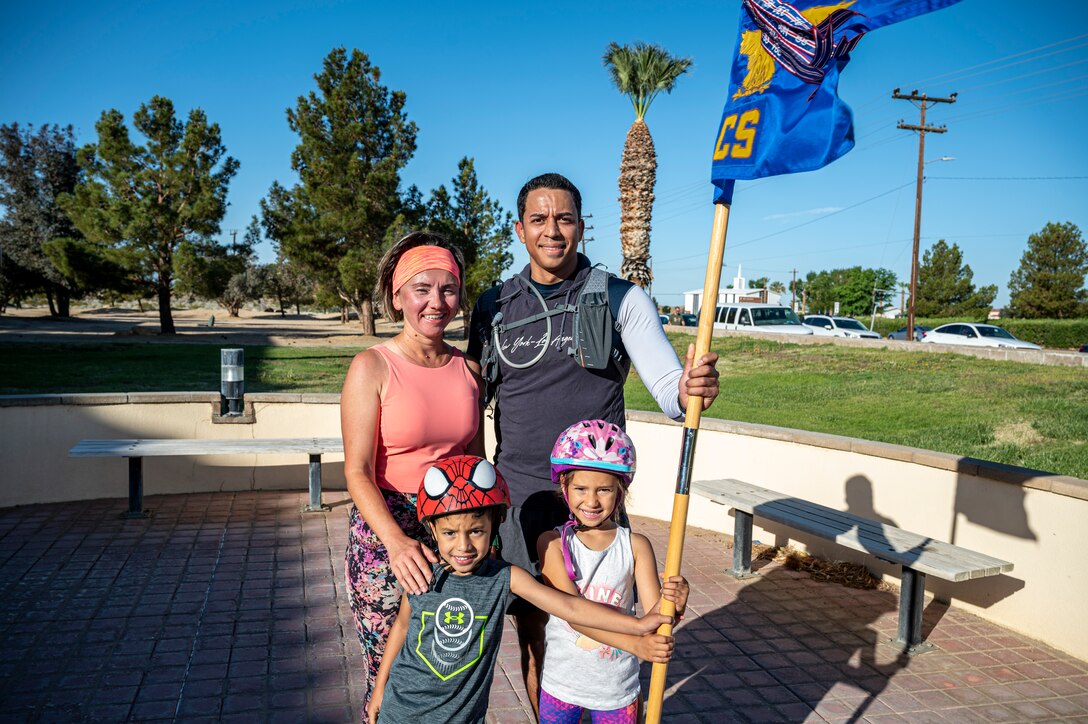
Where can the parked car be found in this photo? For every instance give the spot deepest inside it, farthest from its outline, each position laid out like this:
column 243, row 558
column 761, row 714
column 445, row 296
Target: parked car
column 824, row 325
column 758, row 317
column 689, row 320
column 664, row 318
column 1084, row 348
column 975, row 335
column 901, row 334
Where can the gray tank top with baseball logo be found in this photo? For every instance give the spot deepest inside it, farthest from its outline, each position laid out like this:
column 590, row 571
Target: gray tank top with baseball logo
column 444, row 670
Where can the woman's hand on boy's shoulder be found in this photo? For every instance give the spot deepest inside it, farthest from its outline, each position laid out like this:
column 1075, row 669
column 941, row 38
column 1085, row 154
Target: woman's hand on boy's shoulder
column 654, row 648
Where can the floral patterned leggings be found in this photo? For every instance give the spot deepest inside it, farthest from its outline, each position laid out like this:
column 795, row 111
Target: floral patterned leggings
column 373, row 590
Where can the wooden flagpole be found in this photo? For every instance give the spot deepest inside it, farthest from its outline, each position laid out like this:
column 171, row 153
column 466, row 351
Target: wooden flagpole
column 707, row 311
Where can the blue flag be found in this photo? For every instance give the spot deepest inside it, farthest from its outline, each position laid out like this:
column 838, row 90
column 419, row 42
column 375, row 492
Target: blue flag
column 783, row 113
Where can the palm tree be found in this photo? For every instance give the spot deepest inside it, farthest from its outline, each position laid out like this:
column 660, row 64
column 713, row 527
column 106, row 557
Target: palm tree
column 639, row 72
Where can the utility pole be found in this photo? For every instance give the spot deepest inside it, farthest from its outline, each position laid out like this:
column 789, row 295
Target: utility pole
column 793, row 291
column 588, row 228
column 922, row 129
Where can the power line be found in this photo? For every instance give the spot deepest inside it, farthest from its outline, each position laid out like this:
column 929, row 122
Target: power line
column 1006, row 178
column 797, row 226
column 833, row 213
column 957, row 75
column 1020, row 105
column 1026, row 75
column 954, row 75
column 1036, row 88
column 684, row 195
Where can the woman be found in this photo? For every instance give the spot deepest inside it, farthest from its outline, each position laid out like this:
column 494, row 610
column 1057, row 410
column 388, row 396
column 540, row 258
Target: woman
column 405, row 403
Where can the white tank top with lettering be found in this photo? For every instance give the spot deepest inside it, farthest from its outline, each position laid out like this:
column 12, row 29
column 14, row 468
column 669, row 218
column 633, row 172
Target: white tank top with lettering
column 577, row 669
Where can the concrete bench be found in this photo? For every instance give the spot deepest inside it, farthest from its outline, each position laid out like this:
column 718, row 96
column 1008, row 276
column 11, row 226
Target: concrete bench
column 137, row 450
column 918, row 555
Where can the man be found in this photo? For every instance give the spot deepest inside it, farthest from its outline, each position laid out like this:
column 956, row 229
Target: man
column 675, row 317
column 540, row 387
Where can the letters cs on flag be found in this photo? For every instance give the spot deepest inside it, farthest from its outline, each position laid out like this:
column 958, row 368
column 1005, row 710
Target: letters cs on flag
column 783, row 113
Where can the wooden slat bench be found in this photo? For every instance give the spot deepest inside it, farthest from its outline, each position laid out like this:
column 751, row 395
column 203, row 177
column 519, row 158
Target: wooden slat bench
column 137, row 450
column 918, row 555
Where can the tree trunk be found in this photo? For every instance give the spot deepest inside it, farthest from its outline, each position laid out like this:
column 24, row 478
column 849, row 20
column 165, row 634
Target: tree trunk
column 64, row 303
column 49, row 298
column 638, row 173
column 166, row 318
column 365, row 312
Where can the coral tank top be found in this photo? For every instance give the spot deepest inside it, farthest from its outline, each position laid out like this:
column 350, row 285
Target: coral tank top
column 427, row 413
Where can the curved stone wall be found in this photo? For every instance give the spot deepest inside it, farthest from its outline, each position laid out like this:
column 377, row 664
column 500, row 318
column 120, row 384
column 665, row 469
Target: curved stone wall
column 1034, row 519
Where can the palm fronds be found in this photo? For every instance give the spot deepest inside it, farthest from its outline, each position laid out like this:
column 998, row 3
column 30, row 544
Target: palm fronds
column 642, row 71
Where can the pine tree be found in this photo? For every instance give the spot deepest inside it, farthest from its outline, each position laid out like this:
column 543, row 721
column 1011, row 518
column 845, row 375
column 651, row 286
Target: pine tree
column 354, row 139
column 476, row 224
column 945, row 287
column 1050, row 280
column 145, row 201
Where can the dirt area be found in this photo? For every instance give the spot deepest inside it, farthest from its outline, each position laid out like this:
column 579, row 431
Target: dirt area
column 193, row 326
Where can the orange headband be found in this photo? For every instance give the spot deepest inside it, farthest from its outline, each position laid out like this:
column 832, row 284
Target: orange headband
column 421, row 258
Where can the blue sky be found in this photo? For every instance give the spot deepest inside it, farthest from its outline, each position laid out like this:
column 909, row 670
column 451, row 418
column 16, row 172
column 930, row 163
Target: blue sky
column 521, row 89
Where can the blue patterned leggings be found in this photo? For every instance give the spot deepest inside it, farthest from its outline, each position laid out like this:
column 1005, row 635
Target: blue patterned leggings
column 554, row 711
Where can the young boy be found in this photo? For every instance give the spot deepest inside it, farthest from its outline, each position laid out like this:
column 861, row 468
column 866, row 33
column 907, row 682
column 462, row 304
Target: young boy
column 440, row 658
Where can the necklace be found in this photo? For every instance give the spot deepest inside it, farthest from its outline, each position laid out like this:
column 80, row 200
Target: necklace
column 439, row 360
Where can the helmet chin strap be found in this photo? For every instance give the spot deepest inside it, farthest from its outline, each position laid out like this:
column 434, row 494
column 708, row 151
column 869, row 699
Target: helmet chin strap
column 572, row 526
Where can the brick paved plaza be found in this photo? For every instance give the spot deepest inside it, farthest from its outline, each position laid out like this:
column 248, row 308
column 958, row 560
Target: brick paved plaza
column 231, row 607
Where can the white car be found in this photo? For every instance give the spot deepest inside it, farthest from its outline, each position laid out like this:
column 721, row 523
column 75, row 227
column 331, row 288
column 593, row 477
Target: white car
column 758, row 317
column 828, row 326
column 975, row 335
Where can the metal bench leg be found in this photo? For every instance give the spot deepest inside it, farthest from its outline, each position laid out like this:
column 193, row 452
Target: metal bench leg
column 912, row 600
column 742, row 545
column 135, row 491
column 315, row 505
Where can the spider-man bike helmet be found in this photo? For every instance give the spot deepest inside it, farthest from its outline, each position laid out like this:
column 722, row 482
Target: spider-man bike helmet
column 594, row 445
column 461, row 483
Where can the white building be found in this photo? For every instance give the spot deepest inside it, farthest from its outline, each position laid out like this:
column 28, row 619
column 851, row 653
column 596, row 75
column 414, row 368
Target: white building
column 739, row 292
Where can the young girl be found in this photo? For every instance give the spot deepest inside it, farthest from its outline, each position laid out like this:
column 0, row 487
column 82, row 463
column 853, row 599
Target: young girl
column 593, row 462
column 439, row 660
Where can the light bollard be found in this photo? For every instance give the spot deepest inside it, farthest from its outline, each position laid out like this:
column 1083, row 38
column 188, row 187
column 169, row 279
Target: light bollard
column 232, row 376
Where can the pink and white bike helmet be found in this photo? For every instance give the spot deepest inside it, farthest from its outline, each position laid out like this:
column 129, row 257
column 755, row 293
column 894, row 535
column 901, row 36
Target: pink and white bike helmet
column 594, row 445
column 591, row 445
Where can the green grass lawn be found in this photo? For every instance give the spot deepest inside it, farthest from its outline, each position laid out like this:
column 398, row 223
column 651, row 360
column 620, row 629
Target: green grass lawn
column 45, row 368
column 1021, row 414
